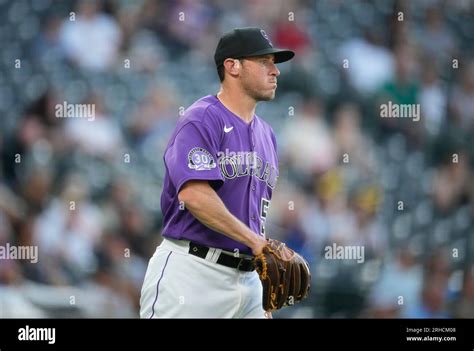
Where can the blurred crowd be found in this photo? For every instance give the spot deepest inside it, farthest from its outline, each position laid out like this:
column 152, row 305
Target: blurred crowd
column 86, row 191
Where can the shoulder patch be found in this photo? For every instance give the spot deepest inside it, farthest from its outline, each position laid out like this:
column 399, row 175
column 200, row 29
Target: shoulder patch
column 200, row 159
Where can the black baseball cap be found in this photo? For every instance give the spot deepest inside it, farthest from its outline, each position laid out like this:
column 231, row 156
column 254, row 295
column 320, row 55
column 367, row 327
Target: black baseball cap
column 246, row 42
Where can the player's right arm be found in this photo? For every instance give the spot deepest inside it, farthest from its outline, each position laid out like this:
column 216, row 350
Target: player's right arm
column 204, row 204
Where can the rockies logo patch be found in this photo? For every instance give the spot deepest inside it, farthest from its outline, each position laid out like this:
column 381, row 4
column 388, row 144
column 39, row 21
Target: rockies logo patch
column 200, row 159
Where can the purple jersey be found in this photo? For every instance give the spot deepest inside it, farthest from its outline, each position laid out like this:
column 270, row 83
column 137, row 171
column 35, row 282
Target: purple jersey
column 238, row 159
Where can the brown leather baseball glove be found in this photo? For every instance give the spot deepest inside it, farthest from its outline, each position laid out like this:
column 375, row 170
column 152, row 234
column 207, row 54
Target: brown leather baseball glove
column 284, row 274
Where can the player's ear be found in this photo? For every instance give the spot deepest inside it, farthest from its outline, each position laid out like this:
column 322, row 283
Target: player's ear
column 232, row 66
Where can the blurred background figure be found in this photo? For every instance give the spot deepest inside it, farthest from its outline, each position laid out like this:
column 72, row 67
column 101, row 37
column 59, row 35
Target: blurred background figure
column 91, row 39
column 85, row 191
column 463, row 307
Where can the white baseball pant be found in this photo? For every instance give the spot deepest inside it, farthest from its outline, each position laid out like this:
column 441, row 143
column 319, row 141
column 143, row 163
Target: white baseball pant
column 180, row 285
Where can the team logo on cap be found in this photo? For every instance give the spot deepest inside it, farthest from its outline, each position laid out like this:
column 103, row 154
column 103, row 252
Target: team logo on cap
column 266, row 37
column 200, row 159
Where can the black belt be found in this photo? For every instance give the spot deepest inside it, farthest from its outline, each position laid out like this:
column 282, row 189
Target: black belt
column 242, row 264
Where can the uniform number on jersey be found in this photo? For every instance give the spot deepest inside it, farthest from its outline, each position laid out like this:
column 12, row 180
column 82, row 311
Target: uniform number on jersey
column 264, row 205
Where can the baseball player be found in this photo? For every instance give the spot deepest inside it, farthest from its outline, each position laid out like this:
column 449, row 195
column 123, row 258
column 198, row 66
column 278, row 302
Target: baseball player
column 221, row 169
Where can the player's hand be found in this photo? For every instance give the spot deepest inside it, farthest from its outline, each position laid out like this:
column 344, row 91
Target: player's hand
column 257, row 248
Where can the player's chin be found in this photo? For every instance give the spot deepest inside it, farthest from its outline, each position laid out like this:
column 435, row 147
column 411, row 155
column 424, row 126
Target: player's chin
column 268, row 95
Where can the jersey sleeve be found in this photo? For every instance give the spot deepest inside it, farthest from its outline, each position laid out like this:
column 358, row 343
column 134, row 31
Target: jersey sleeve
column 194, row 156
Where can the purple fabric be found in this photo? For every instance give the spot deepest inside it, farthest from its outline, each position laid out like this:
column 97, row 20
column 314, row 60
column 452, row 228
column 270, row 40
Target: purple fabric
column 238, row 159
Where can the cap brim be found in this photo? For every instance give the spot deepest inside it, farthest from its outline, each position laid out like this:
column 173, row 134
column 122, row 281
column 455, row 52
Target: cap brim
column 281, row 55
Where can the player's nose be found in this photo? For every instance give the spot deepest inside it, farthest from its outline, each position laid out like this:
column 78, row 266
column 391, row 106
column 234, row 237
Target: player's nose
column 275, row 71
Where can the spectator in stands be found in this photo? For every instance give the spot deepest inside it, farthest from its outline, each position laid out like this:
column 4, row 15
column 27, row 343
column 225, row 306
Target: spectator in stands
column 100, row 135
column 464, row 306
column 433, row 303
column 462, row 100
column 307, row 140
column 369, row 63
column 398, row 287
column 435, row 39
column 354, row 147
column 451, row 181
column 433, row 101
column 91, row 39
column 403, row 89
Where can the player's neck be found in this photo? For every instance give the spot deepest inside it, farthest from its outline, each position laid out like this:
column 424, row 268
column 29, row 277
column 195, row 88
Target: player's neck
column 238, row 103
